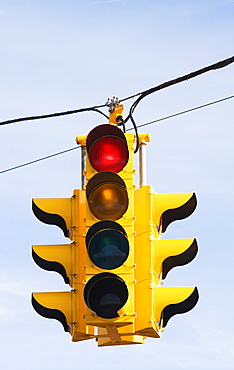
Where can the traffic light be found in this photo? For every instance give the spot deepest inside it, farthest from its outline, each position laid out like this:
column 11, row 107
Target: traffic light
column 116, row 261
column 109, row 265
column 154, row 258
column 99, row 263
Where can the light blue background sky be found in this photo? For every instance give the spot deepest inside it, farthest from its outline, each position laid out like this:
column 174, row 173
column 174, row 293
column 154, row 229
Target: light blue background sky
column 61, row 55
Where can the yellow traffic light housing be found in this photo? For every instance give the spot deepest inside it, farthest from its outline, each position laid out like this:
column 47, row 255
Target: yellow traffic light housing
column 109, row 267
column 154, row 212
column 116, row 261
column 67, row 260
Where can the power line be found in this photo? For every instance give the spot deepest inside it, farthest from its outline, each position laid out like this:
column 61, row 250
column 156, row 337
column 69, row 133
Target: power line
column 141, row 95
column 57, row 114
column 38, row 160
column 144, row 124
column 186, row 77
column 186, row 111
column 221, row 64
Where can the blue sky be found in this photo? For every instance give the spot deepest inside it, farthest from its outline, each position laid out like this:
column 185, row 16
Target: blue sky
column 62, row 55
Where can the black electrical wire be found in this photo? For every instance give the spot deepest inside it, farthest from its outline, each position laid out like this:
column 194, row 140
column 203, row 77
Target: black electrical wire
column 185, row 111
column 141, row 95
column 221, row 64
column 177, row 80
column 120, row 122
column 51, row 115
column 99, row 111
column 38, row 160
column 136, row 133
column 144, row 124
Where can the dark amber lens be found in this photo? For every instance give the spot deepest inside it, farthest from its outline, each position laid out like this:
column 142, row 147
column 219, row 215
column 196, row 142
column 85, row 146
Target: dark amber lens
column 108, row 201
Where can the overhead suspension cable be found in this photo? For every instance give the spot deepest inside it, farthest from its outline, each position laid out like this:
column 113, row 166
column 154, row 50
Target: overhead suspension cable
column 141, row 95
column 38, row 160
column 221, row 64
column 144, row 124
column 185, row 111
column 57, row 114
column 177, row 80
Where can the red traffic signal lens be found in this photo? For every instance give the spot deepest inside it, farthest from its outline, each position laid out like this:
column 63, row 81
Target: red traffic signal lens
column 109, row 154
column 107, row 148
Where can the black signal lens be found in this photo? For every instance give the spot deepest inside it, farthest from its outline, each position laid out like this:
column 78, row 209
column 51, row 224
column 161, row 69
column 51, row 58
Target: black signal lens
column 106, row 294
column 107, row 245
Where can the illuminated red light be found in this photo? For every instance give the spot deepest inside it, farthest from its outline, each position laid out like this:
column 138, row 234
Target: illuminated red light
column 109, row 154
column 107, row 148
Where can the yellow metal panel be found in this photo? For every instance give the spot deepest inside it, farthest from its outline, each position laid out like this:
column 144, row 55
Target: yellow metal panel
column 170, row 295
column 145, row 235
column 56, row 305
column 79, row 331
column 170, row 247
column 55, row 211
column 78, row 236
column 145, row 274
column 145, row 211
column 155, row 305
column 145, row 323
column 169, row 301
column 55, row 258
column 172, row 207
column 126, row 335
column 56, row 252
column 66, row 307
column 173, row 252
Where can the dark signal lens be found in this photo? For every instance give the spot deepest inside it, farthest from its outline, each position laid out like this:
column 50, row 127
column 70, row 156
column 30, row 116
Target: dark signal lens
column 108, row 249
column 109, row 154
column 106, row 294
